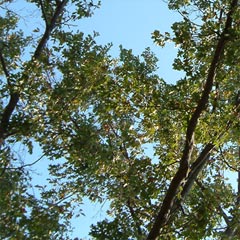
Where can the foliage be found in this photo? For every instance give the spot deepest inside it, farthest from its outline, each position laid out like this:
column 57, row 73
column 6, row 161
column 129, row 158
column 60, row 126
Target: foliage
column 94, row 116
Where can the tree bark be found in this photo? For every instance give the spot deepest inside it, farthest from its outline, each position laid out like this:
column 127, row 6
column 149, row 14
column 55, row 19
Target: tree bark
column 167, row 205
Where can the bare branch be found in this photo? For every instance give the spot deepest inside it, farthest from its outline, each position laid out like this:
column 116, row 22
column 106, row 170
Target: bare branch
column 34, row 162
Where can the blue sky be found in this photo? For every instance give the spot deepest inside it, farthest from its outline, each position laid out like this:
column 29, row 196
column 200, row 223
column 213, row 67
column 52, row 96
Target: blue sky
column 128, row 23
column 120, row 22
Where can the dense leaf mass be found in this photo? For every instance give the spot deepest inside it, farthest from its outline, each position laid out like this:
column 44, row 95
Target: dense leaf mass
column 95, row 119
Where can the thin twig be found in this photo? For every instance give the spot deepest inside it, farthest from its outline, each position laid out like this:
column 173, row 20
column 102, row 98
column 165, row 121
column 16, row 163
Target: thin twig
column 225, row 161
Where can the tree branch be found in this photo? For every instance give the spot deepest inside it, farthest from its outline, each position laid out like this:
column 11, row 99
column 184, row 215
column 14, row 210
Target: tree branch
column 4, row 67
column 168, row 202
column 238, row 192
column 43, row 12
column 134, row 217
column 14, row 96
column 196, row 168
column 49, row 29
column 230, row 230
column 233, row 224
column 226, row 162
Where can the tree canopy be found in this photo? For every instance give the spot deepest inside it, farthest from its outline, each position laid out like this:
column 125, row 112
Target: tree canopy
column 93, row 115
